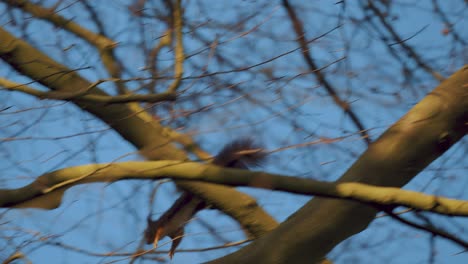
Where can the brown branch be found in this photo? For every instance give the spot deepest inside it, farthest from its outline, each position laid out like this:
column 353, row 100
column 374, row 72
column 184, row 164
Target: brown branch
column 179, row 48
column 132, row 254
column 431, row 229
column 151, row 63
column 15, row 256
column 409, row 50
column 303, row 43
column 83, row 96
column 37, row 194
column 448, row 24
column 427, row 131
column 134, row 125
column 102, row 43
column 248, row 67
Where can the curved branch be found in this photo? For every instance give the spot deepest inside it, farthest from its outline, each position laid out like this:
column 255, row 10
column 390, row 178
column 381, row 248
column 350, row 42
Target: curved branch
column 429, row 129
column 179, row 48
column 82, row 96
column 136, row 126
column 102, row 43
column 60, row 180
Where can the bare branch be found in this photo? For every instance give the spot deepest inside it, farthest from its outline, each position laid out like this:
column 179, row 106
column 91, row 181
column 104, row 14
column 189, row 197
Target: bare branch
column 83, row 95
column 60, row 180
column 301, row 39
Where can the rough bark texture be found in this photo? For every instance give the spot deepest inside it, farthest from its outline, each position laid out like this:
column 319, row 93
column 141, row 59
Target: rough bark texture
column 134, row 125
column 418, row 138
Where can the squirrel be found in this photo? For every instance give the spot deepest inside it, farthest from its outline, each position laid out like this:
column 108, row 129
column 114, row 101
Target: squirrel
column 241, row 154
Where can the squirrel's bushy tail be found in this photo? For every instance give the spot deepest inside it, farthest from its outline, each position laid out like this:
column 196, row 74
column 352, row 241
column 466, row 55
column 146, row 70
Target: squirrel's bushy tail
column 241, row 153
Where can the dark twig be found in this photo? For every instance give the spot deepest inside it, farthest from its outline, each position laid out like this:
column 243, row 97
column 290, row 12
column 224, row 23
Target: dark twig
column 303, row 43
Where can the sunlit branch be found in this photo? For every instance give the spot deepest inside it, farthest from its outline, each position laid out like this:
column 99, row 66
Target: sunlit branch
column 179, row 48
column 134, row 125
column 83, row 96
column 15, row 256
column 101, row 42
column 61, row 180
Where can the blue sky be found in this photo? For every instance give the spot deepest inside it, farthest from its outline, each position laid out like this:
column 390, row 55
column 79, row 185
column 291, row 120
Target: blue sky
column 107, row 217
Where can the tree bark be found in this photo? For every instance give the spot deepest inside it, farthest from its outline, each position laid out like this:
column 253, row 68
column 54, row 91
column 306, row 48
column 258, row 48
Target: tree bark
column 405, row 149
column 135, row 125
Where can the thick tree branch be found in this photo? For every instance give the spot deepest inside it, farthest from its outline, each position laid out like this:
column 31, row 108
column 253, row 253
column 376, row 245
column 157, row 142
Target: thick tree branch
column 36, row 193
column 404, row 150
column 104, row 45
column 133, row 124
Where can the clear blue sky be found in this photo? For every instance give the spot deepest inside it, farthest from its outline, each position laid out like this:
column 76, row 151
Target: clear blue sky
column 101, row 217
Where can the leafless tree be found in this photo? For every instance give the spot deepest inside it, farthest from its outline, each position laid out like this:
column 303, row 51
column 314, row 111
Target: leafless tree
column 113, row 112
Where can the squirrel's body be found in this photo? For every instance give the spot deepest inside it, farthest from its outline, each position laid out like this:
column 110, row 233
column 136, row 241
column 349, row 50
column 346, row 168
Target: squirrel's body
column 240, row 154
